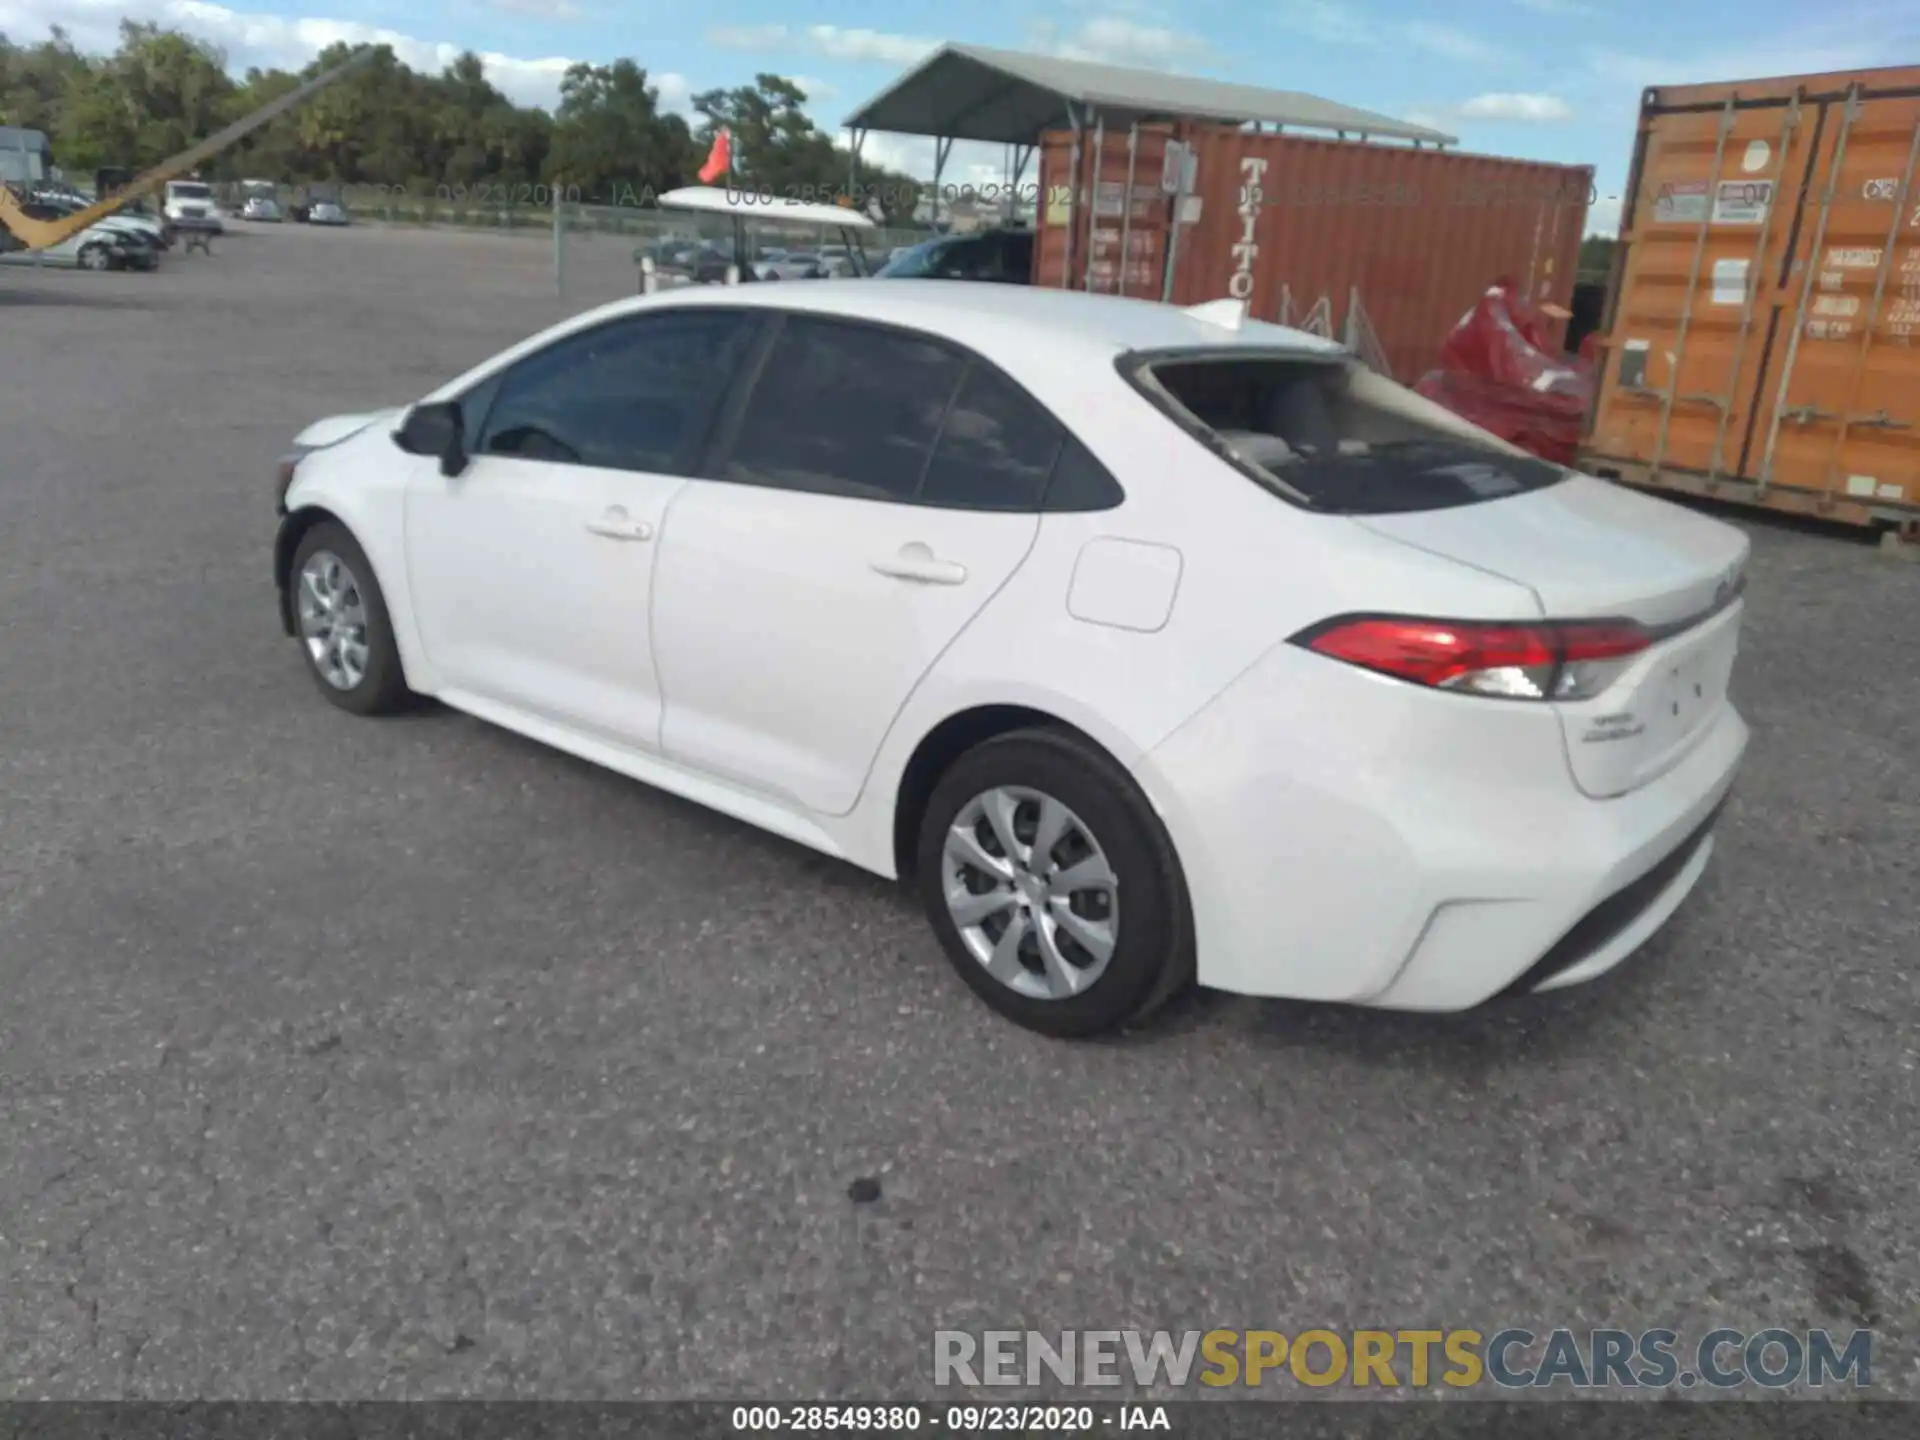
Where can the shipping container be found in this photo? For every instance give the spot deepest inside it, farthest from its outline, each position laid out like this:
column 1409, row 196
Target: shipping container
column 1759, row 343
column 1302, row 229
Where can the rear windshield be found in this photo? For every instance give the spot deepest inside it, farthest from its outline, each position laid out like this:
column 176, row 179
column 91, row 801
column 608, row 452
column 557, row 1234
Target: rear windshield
column 1334, row 435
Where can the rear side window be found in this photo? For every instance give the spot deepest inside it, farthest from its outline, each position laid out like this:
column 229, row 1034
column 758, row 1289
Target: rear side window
column 845, row 410
column 1334, row 436
column 871, row 413
column 996, row 448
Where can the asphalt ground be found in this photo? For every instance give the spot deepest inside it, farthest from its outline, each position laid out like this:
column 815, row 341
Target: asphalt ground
column 348, row 1059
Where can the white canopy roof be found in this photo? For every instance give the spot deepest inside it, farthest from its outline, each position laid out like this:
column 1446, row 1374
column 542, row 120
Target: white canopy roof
column 750, row 204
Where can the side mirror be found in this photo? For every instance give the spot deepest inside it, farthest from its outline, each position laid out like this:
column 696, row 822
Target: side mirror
column 438, row 430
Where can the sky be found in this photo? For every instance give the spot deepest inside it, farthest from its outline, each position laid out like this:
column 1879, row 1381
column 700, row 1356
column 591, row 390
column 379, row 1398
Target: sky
column 1554, row 80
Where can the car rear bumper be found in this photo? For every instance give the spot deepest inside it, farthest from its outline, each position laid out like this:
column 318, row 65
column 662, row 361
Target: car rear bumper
column 1354, row 839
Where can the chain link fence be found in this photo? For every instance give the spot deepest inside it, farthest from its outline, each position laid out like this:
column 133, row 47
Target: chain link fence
column 595, row 250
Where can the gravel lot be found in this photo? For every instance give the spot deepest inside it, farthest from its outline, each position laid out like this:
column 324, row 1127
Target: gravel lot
column 409, row 1059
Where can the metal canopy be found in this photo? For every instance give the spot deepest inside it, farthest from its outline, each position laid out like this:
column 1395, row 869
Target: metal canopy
column 972, row 92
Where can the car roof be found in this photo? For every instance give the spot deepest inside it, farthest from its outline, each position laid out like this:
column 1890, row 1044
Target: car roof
column 998, row 317
column 1047, row 336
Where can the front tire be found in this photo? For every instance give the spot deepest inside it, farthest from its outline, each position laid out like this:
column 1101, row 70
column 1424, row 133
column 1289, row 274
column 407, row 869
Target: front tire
column 1053, row 886
column 341, row 618
column 96, row 257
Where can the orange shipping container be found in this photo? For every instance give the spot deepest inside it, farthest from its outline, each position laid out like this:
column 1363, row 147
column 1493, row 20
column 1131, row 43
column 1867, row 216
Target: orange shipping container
column 1298, row 227
column 1760, row 336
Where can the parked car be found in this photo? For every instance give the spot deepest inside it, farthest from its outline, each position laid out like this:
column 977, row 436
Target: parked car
column 1151, row 644
column 1005, row 256
column 839, row 262
column 790, row 265
column 145, row 236
column 259, row 207
column 327, row 212
column 98, row 247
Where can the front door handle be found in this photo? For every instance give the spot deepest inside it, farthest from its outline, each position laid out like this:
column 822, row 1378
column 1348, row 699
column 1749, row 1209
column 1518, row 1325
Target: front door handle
column 616, row 525
column 918, row 562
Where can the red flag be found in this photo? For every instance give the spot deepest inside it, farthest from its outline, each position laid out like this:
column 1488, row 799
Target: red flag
column 719, row 159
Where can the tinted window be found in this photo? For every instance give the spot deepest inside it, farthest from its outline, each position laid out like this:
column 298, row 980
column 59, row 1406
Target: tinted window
column 935, row 258
column 1341, row 438
column 1016, row 257
column 995, row 450
column 846, row 410
column 633, row 395
column 1081, row 482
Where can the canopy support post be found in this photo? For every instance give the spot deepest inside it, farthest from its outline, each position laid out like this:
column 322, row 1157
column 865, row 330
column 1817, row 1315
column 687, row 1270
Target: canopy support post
column 942, row 148
column 856, row 138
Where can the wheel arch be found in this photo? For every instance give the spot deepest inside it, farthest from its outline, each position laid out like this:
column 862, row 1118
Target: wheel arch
column 946, row 742
column 293, row 527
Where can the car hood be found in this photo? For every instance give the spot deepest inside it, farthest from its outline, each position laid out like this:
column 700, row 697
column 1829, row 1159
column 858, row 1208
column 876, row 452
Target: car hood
column 335, row 428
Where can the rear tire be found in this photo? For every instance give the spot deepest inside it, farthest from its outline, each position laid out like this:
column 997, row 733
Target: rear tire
column 340, row 616
column 96, row 257
column 1089, row 936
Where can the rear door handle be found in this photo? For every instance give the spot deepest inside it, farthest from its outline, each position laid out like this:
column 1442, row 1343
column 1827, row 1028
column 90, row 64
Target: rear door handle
column 616, row 525
column 917, row 562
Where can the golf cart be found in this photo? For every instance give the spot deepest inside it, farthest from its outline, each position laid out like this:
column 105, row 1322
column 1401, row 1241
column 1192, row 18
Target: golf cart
column 744, row 206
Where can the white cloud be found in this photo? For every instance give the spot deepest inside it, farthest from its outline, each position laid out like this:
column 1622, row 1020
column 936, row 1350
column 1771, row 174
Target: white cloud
column 1603, row 216
column 1329, row 21
column 1531, row 108
column 814, row 88
column 972, row 166
column 289, row 42
column 1449, row 43
column 1332, row 22
column 1115, row 40
column 540, row 9
column 1855, row 40
column 838, row 44
column 829, row 41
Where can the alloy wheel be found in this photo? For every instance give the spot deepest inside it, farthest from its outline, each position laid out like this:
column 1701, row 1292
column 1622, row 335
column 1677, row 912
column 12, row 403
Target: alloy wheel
column 1031, row 892
column 333, row 620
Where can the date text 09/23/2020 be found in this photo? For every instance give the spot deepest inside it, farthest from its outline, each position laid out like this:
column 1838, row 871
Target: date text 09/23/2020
column 950, row 1419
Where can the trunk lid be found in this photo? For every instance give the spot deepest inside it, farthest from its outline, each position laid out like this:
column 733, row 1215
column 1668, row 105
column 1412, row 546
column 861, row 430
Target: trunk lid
column 1591, row 550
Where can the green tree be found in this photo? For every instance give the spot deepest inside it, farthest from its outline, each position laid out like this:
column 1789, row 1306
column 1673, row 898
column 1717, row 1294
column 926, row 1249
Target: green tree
column 174, row 89
column 386, row 124
column 1596, row 256
column 609, row 135
column 777, row 146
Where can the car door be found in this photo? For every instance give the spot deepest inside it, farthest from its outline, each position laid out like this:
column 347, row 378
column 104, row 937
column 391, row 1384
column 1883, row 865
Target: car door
column 531, row 569
column 872, row 490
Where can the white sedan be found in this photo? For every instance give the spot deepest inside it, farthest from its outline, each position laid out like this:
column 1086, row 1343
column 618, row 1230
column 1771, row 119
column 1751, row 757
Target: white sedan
column 1153, row 645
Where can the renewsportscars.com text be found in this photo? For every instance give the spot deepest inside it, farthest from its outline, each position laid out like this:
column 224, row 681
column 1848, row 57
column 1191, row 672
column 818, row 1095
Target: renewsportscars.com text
column 1510, row 1359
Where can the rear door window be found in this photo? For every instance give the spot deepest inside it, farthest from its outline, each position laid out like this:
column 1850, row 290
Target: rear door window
column 844, row 409
column 996, row 448
column 1334, row 436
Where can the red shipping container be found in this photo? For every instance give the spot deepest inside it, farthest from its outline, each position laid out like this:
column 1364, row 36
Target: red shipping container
column 1286, row 222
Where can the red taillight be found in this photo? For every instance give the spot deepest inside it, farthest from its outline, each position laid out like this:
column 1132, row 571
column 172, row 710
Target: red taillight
column 1554, row 661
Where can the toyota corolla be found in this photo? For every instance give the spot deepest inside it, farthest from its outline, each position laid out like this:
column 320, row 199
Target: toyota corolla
column 1151, row 645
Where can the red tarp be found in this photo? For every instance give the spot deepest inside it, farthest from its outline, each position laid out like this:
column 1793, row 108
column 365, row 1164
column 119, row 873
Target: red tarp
column 1501, row 369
